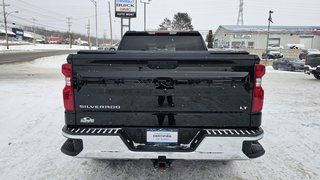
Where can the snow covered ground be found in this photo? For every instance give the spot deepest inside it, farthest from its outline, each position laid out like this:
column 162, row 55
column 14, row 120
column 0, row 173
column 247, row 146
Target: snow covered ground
column 39, row 47
column 31, row 112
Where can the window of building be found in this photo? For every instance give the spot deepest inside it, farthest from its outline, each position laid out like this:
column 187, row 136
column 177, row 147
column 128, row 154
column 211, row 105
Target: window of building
column 273, row 42
column 250, row 45
column 238, row 44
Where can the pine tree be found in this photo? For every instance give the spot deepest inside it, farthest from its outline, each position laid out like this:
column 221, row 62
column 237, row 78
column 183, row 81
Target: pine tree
column 209, row 39
column 182, row 21
column 166, row 24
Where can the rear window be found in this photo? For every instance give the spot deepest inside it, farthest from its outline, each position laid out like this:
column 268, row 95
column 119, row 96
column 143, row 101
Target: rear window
column 314, row 57
column 162, row 43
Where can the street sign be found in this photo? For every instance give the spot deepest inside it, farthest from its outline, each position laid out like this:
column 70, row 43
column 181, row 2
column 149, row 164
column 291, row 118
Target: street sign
column 126, row 8
column 18, row 31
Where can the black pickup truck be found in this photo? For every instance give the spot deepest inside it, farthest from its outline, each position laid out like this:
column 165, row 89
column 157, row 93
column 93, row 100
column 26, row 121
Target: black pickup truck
column 312, row 65
column 163, row 96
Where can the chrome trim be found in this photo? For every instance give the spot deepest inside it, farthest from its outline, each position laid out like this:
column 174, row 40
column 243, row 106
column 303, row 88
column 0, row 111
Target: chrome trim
column 311, row 68
column 210, row 148
column 210, row 132
column 234, row 132
column 92, row 131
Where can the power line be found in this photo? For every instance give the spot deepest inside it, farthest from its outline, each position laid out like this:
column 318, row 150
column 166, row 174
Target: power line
column 39, row 8
column 40, row 24
column 86, row 17
column 51, row 16
column 36, row 12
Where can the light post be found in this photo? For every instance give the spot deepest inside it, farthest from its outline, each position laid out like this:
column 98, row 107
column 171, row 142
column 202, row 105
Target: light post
column 269, row 20
column 110, row 20
column 5, row 15
column 96, row 15
column 145, row 12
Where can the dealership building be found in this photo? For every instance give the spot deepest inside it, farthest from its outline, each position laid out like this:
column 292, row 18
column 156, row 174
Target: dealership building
column 255, row 37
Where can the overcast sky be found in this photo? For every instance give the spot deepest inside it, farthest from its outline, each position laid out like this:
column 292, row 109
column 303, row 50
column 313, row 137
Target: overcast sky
column 205, row 14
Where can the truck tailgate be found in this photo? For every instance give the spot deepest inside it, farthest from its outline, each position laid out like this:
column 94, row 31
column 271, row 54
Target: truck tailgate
column 154, row 89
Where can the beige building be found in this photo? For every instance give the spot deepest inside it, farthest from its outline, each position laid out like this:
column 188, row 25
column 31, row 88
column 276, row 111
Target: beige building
column 229, row 36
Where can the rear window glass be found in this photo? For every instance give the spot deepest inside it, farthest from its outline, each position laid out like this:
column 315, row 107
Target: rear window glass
column 162, row 43
column 314, row 57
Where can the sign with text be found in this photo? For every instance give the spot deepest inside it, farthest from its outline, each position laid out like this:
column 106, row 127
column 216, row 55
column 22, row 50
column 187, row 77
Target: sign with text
column 242, row 36
column 126, row 8
column 18, row 31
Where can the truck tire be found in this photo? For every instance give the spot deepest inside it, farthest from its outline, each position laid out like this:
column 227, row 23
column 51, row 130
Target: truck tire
column 316, row 75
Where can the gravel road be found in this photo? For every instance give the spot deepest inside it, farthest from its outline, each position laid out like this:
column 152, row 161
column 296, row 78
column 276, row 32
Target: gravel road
column 32, row 116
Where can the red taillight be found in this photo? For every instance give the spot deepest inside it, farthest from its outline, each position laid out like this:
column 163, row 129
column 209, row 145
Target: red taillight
column 68, row 89
column 259, row 70
column 258, row 92
column 67, row 70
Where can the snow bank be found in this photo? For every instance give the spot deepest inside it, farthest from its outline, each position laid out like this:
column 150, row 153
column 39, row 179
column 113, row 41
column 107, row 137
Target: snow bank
column 37, row 47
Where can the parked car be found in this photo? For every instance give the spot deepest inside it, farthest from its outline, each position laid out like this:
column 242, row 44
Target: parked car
column 275, row 47
column 305, row 52
column 272, row 54
column 288, row 64
column 294, row 46
column 312, row 65
column 109, row 47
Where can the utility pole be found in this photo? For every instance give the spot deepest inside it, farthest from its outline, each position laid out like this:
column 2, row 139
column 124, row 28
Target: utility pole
column 111, row 37
column 88, row 31
column 34, row 31
column 104, row 36
column 145, row 12
column 96, row 14
column 240, row 14
column 69, row 30
column 5, row 21
column 269, row 20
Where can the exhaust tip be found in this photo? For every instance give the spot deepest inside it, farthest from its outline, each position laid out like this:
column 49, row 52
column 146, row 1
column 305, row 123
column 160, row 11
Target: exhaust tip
column 252, row 149
column 72, row 147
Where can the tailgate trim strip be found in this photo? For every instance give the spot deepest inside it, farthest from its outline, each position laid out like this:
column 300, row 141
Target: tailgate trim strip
column 91, row 131
column 232, row 132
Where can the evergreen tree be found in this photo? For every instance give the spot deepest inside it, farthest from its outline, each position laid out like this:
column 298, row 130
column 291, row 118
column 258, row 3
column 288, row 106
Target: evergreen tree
column 209, row 39
column 182, row 21
column 166, row 24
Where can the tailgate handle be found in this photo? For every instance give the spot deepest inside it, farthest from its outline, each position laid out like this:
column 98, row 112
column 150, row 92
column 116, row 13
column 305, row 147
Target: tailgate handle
column 162, row 64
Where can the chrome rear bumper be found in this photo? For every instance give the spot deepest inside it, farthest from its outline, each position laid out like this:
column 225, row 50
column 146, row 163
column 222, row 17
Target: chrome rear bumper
column 309, row 70
column 215, row 144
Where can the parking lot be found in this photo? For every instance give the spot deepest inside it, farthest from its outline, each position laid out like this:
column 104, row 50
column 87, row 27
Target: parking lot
column 31, row 102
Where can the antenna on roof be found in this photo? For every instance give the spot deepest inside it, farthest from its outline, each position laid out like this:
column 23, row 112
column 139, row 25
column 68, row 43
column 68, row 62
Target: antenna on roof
column 240, row 14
